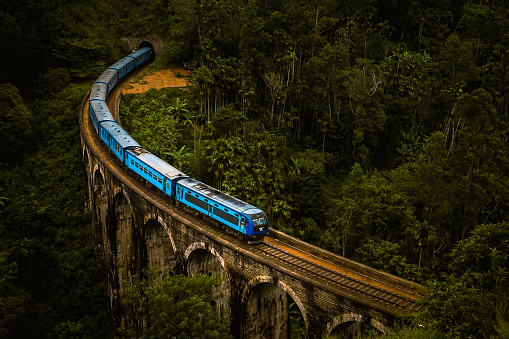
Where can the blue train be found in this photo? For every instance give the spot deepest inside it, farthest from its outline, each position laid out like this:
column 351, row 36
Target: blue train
column 247, row 221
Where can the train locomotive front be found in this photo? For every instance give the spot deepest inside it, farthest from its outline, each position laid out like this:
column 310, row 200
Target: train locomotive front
column 248, row 221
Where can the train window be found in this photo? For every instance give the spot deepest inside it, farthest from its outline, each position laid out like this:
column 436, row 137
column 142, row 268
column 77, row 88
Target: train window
column 226, row 210
column 236, row 215
column 150, row 174
column 136, row 164
column 216, row 205
column 155, row 177
column 145, row 170
column 196, row 195
column 225, row 216
column 206, row 200
column 160, row 180
column 195, row 201
column 132, row 162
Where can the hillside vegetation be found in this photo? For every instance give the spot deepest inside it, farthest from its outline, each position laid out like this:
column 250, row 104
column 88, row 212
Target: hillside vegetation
column 374, row 129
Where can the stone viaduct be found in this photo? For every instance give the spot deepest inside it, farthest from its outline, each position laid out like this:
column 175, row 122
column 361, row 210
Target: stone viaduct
column 136, row 228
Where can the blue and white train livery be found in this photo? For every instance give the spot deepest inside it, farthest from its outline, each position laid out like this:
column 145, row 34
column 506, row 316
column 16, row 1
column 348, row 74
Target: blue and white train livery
column 151, row 168
column 247, row 221
column 230, row 211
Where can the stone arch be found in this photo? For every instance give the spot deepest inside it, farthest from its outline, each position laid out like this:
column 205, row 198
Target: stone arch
column 158, row 244
column 100, row 211
column 203, row 260
column 266, row 309
column 354, row 319
column 122, row 255
column 378, row 325
column 98, row 180
column 285, row 287
column 201, row 245
column 86, row 159
column 146, row 43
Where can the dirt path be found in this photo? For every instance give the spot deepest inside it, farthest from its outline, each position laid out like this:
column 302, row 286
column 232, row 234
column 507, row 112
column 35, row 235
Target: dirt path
column 145, row 80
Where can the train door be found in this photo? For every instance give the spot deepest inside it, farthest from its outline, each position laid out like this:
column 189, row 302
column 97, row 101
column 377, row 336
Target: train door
column 243, row 224
column 165, row 190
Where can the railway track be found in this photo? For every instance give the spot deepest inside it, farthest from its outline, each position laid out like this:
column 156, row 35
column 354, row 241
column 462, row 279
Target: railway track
column 384, row 295
column 352, row 280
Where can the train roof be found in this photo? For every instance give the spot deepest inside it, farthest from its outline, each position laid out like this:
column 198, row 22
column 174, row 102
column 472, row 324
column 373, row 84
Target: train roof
column 98, row 91
column 102, row 112
column 107, row 75
column 121, row 63
column 156, row 163
column 121, row 136
column 139, row 52
column 221, row 197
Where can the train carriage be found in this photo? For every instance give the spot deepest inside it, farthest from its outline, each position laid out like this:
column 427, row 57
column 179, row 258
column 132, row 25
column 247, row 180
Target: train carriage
column 123, row 66
column 117, row 140
column 151, row 168
column 99, row 112
column 237, row 214
column 141, row 55
column 98, row 92
column 109, row 78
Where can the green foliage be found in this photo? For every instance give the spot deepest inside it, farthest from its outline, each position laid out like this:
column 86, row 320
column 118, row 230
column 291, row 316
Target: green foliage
column 297, row 325
column 15, row 122
column 151, row 119
column 377, row 130
column 405, row 332
column 50, row 283
column 173, row 53
column 386, row 256
column 50, row 35
column 175, row 307
column 472, row 300
column 52, row 82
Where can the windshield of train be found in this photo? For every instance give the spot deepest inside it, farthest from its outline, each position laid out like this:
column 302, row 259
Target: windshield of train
column 260, row 221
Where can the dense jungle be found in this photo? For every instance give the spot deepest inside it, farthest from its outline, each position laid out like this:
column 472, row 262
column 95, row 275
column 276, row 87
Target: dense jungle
column 377, row 130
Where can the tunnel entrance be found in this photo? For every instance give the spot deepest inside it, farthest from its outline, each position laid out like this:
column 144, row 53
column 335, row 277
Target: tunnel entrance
column 149, row 45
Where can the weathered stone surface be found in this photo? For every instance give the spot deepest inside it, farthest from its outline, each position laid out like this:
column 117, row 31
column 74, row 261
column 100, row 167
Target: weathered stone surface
column 136, row 42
